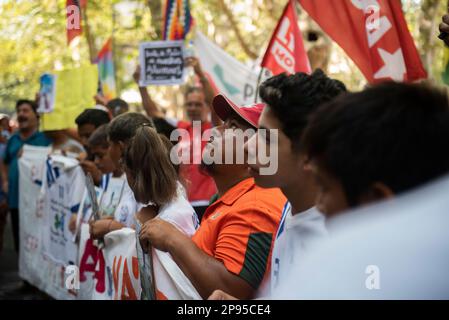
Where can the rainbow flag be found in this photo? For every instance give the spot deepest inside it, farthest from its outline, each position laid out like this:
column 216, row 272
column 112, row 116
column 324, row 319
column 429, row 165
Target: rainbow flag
column 106, row 73
column 177, row 20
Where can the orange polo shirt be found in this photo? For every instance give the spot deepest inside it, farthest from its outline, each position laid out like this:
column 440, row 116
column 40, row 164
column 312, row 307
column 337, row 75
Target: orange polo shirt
column 239, row 229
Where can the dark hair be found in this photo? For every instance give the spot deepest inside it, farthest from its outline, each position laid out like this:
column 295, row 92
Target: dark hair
column 396, row 134
column 124, row 127
column 147, row 159
column 193, row 89
column 99, row 137
column 31, row 103
column 95, row 117
column 117, row 106
column 292, row 98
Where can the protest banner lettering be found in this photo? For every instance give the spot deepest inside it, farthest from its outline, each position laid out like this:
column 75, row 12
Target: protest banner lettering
column 162, row 63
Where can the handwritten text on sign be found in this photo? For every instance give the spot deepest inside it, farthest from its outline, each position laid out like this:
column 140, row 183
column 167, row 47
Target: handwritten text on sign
column 162, row 63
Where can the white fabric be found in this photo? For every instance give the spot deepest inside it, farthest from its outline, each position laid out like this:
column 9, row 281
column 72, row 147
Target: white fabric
column 394, row 250
column 231, row 77
column 121, row 259
column 128, row 207
column 169, row 279
column 31, row 169
column 62, row 192
column 112, row 195
column 297, row 235
column 34, row 266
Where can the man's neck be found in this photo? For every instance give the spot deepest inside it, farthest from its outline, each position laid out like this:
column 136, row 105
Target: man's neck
column 26, row 133
column 117, row 173
column 225, row 182
column 301, row 198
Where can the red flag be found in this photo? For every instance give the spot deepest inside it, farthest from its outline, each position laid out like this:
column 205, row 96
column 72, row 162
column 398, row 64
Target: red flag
column 286, row 52
column 74, row 28
column 373, row 33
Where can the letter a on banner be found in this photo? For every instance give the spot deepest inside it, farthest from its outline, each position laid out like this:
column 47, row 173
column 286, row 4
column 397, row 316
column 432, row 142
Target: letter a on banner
column 286, row 51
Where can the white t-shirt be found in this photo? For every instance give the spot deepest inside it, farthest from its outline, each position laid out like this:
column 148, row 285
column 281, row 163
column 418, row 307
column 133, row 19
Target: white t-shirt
column 127, row 208
column 113, row 190
column 397, row 249
column 170, row 281
column 296, row 235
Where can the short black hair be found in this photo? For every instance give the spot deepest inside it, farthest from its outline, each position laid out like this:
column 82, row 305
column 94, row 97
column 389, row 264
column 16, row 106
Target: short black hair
column 117, row 106
column 292, row 98
column 124, row 127
column 31, row 103
column 396, row 134
column 99, row 137
column 95, row 117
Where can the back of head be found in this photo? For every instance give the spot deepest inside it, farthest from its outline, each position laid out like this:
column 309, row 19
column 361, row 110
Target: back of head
column 124, row 127
column 95, row 117
column 395, row 134
column 292, row 98
column 100, row 137
column 148, row 161
column 117, row 106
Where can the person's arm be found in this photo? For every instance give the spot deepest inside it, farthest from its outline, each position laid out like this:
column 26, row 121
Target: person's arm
column 98, row 229
column 4, row 176
column 90, row 167
column 148, row 104
column 207, row 87
column 205, row 272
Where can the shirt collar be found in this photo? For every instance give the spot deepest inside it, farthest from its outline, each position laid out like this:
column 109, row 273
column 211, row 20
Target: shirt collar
column 233, row 194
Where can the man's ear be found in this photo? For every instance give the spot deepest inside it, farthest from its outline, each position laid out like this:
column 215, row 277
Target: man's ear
column 377, row 192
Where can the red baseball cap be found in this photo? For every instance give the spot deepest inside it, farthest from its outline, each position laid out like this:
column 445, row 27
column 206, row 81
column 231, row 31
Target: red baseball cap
column 225, row 107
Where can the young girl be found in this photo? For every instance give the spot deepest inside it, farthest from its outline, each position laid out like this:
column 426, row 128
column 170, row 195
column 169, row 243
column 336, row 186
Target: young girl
column 117, row 203
column 154, row 180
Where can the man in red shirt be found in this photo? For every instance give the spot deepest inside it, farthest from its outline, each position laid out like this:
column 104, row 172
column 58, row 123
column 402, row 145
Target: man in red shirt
column 197, row 101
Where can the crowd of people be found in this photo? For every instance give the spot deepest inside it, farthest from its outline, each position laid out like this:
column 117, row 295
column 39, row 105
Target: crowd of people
column 233, row 231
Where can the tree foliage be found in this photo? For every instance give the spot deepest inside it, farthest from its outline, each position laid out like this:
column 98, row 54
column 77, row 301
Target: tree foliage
column 33, row 38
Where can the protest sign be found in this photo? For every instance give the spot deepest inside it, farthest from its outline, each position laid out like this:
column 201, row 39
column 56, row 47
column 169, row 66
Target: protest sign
column 35, row 267
column 74, row 91
column 62, row 190
column 121, row 258
column 47, row 93
column 162, row 63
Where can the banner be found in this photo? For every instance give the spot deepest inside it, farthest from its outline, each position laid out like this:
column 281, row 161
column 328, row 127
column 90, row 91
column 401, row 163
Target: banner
column 106, row 72
column 92, row 278
column 162, row 63
column 74, row 91
column 62, row 192
column 121, row 259
column 373, row 33
column 227, row 75
column 286, row 52
column 34, row 267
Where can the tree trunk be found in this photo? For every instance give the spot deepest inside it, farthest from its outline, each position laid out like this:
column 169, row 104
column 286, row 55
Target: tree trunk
column 156, row 18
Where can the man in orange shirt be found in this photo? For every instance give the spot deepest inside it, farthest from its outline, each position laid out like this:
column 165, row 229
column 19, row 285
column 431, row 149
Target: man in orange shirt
column 231, row 250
